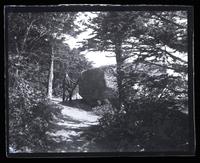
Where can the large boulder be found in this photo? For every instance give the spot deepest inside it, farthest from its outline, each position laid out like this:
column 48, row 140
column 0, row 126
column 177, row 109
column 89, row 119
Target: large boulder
column 97, row 84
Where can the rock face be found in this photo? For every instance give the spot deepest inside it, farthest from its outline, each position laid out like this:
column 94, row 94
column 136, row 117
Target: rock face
column 96, row 85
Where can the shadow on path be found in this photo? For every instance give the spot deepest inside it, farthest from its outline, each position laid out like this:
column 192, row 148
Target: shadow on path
column 78, row 103
column 67, row 129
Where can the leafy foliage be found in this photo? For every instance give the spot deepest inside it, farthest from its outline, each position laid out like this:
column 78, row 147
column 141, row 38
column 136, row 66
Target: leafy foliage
column 148, row 115
column 29, row 116
column 71, row 64
column 31, row 38
column 149, row 127
column 147, row 45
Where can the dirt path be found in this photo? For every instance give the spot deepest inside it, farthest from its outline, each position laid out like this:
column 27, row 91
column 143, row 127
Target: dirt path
column 68, row 127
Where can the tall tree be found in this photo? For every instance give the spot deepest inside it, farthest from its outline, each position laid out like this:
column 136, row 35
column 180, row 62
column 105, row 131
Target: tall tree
column 151, row 55
column 150, row 38
column 110, row 31
column 34, row 35
column 29, row 54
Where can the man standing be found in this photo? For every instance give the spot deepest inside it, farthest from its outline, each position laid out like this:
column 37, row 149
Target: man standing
column 66, row 86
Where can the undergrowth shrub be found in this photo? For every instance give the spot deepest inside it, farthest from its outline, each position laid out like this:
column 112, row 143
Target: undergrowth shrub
column 143, row 127
column 29, row 118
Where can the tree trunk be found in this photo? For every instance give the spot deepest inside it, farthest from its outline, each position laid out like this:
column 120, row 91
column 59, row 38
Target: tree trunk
column 50, row 82
column 64, row 89
column 119, row 62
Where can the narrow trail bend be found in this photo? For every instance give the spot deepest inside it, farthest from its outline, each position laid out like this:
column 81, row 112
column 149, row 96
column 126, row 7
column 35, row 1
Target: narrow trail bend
column 68, row 127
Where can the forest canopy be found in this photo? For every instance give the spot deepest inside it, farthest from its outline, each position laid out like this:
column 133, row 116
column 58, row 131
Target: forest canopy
column 149, row 111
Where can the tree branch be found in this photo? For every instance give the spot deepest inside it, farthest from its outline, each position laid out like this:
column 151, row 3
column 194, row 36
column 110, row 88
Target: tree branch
column 168, row 21
column 27, row 33
column 172, row 56
column 128, row 56
column 176, row 91
column 162, row 66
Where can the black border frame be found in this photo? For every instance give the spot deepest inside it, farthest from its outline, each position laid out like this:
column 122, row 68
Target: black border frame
column 75, row 8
